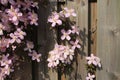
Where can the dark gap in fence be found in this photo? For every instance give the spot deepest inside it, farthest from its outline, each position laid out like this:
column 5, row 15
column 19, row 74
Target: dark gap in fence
column 35, row 35
column 93, row 1
column 92, row 27
column 58, row 39
column 34, row 63
column 89, row 28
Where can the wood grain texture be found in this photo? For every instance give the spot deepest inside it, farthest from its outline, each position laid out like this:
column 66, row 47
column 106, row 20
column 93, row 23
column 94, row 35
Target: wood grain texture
column 93, row 26
column 81, row 8
column 45, row 40
column 108, row 39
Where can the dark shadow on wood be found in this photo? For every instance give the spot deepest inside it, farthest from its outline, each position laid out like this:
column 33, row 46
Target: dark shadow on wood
column 44, row 41
column 83, row 37
column 89, row 27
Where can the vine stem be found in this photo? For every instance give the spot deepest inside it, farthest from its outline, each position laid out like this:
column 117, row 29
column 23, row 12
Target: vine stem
column 59, row 69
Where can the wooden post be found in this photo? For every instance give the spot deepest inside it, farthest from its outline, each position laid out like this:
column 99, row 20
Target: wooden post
column 45, row 40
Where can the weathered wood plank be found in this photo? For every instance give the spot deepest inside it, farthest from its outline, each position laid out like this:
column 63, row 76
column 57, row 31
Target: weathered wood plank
column 93, row 26
column 81, row 8
column 45, row 40
column 108, row 39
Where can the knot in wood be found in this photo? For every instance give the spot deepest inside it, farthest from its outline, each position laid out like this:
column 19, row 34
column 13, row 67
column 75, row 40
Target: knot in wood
column 116, row 31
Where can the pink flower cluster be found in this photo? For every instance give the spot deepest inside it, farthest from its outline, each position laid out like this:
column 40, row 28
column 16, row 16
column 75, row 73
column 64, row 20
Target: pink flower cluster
column 57, row 18
column 5, row 68
column 16, row 20
column 96, row 63
column 69, row 42
column 60, row 53
column 63, row 53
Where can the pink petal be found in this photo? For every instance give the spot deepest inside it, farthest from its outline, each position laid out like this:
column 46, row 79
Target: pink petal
column 62, row 37
column 68, row 37
column 67, row 15
column 59, row 22
column 63, row 31
column 78, row 46
column 74, row 14
column 53, row 24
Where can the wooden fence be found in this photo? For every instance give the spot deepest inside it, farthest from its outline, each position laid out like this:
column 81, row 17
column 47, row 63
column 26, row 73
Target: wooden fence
column 99, row 23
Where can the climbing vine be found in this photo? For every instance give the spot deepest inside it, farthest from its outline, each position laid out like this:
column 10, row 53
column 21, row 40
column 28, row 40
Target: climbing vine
column 68, row 44
column 17, row 19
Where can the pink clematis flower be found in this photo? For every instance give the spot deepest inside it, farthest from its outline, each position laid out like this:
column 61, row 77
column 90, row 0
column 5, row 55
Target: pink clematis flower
column 55, row 19
column 35, row 55
column 5, row 71
column 75, row 30
column 15, row 38
column 20, row 33
column 75, row 44
column 90, row 77
column 29, row 47
column 93, row 60
column 68, row 53
column 33, row 17
column 66, row 34
column 68, row 12
column 52, row 62
column 59, row 54
column 14, row 15
column 5, row 61
column 98, row 62
column 55, row 56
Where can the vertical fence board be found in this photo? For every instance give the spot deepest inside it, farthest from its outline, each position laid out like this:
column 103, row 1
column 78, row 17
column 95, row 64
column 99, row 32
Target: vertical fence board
column 92, row 26
column 45, row 40
column 108, row 39
column 81, row 8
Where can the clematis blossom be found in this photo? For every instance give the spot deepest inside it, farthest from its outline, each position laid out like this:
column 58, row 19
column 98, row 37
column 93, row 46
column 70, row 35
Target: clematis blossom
column 14, row 15
column 90, row 77
column 35, row 55
column 29, row 47
column 54, row 19
column 14, row 38
column 66, row 34
column 93, row 60
column 75, row 30
column 75, row 44
column 5, row 61
column 20, row 33
column 68, row 12
column 60, row 53
column 33, row 18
